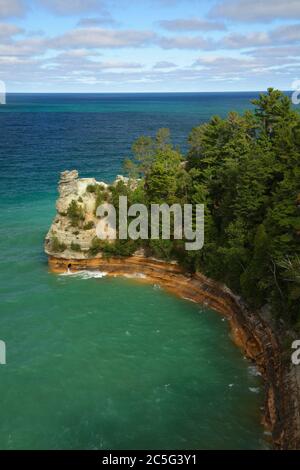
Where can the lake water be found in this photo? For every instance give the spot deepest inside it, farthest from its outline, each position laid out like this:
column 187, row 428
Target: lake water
column 93, row 362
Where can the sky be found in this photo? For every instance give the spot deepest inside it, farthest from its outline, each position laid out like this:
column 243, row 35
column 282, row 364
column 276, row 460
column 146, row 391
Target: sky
column 149, row 45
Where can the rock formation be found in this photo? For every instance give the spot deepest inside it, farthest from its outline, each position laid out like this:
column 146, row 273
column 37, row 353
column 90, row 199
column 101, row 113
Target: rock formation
column 74, row 227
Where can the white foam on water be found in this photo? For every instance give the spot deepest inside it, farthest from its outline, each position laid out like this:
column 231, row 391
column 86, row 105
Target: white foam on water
column 85, row 274
column 254, row 371
column 254, row 389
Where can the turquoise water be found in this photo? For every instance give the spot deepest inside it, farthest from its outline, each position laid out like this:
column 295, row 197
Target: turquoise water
column 99, row 363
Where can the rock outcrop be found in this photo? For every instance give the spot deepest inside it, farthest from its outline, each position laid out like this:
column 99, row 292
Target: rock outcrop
column 72, row 231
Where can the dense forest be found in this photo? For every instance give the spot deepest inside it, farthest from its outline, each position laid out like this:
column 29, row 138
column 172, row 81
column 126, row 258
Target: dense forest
column 246, row 170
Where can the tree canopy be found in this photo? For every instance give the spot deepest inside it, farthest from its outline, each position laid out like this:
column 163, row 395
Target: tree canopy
column 246, row 170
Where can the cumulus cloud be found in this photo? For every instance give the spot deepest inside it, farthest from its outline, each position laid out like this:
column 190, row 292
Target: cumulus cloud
column 88, row 54
column 96, row 21
column 191, row 24
column 274, row 53
column 9, row 30
column 73, row 7
column 101, row 38
column 256, row 10
column 12, row 8
column 224, row 64
column 242, row 41
column 286, row 34
column 164, row 65
column 184, row 42
column 82, row 60
column 27, row 47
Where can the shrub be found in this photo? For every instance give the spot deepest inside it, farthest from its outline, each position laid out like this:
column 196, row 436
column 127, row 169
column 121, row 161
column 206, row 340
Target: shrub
column 95, row 188
column 89, row 225
column 101, row 197
column 57, row 246
column 91, row 188
column 75, row 246
column 96, row 246
column 75, row 213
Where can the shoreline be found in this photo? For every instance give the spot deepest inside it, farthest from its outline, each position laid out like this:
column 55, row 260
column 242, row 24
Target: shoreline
column 248, row 330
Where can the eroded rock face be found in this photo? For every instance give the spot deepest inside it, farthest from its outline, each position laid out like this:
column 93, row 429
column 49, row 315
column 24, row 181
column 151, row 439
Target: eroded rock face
column 71, row 188
column 248, row 329
column 72, row 233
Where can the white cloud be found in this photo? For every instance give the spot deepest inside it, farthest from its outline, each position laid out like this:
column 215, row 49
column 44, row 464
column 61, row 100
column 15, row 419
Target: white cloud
column 164, row 65
column 8, row 30
column 184, row 42
column 26, row 47
column 102, row 38
column 191, row 24
column 242, row 41
column 274, row 53
column 286, row 34
column 12, row 8
column 256, row 10
column 106, row 19
column 73, row 7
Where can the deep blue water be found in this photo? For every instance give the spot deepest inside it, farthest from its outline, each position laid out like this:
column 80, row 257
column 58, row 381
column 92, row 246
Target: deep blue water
column 43, row 134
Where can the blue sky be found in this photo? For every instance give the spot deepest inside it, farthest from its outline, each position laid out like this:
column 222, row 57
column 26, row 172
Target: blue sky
column 148, row 45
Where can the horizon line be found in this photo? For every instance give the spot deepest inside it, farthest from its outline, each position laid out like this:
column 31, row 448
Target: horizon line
column 136, row 92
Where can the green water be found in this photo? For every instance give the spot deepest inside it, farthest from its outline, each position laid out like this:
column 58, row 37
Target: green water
column 98, row 363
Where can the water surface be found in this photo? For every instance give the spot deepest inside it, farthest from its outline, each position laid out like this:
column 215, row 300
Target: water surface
column 104, row 363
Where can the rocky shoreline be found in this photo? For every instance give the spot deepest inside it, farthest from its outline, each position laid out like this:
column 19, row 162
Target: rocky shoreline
column 68, row 246
column 249, row 331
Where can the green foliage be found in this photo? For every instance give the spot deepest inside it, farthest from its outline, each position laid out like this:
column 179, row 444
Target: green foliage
column 96, row 246
column 247, row 170
column 75, row 213
column 57, row 246
column 91, row 188
column 75, row 246
column 118, row 248
column 89, row 225
column 100, row 193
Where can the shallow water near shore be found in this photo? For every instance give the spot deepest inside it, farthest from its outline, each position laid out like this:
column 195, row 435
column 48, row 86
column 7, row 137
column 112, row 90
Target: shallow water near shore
column 95, row 362
column 102, row 363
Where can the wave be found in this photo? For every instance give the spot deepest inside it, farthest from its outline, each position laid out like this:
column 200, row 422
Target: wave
column 85, row 274
column 253, row 370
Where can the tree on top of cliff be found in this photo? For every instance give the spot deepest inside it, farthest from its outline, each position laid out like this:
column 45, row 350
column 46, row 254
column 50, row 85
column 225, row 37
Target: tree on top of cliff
column 248, row 169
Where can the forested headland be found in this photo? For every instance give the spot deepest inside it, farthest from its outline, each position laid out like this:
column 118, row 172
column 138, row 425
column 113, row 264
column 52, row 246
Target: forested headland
column 246, row 170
